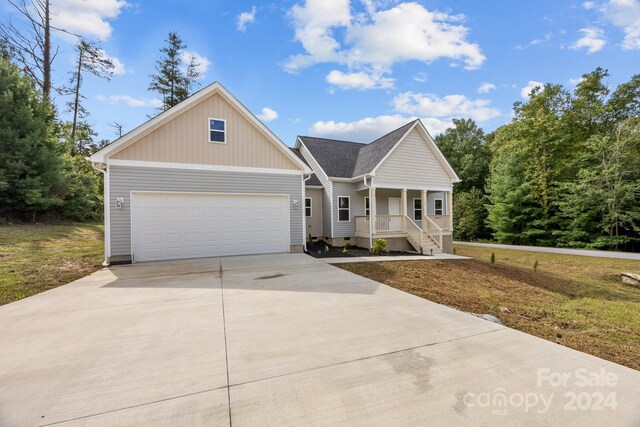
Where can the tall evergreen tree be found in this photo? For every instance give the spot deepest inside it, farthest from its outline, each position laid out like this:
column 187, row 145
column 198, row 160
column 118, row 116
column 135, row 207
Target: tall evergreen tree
column 90, row 59
column 173, row 80
column 30, row 164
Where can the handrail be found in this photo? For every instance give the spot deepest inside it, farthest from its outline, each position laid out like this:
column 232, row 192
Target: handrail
column 433, row 230
column 389, row 222
column 415, row 232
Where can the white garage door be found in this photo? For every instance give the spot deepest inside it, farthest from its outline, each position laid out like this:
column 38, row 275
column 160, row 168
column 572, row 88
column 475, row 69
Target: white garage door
column 186, row 225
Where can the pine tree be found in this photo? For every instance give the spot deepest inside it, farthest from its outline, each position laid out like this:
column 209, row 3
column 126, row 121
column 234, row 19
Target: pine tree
column 171, row 81
column 30, row 164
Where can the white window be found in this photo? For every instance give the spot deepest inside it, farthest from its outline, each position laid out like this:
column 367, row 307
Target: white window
column 344, row 209
column 367, row 210
column 438, row 207
column 307, row 206
column 417, row 209
column 218, row 131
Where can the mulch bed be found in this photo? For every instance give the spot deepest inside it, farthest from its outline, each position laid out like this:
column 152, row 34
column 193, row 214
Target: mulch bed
column 320, row 249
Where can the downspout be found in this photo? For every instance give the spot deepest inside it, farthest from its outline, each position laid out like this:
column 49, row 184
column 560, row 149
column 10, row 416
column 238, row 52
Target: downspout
column 103, row 169
column 370, row 219
column 304, row 210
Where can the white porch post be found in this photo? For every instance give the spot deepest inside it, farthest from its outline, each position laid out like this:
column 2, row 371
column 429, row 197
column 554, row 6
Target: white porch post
column 450, row 210
column 372, row 215
column 424, row 207
column 403, row 209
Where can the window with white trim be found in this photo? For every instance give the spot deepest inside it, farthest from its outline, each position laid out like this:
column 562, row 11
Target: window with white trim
column 438, row 207
column 218, row 131
column 307, row 207
column 344, row 209
column 367, row 209
column 417, row 209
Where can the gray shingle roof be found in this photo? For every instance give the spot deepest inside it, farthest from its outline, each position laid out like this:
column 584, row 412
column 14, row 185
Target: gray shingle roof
column 346, row 159
column 313, row 181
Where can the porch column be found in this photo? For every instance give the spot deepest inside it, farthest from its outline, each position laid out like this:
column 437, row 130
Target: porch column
column 424, row 208
column 450, row 210
column 403, row 209
column 372, row 215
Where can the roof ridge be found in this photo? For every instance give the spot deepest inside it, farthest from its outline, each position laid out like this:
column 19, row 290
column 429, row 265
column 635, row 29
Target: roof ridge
column 389, row 133
column 335, row 140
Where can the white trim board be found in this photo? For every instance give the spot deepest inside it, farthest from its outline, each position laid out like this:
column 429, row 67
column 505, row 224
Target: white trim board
column 195, row 166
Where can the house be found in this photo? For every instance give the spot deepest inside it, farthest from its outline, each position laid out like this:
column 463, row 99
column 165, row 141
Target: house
column 206, row 178
column 397, row 187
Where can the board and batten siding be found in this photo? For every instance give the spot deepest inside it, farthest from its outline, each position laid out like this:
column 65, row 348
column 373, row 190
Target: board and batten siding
column 413, row 165
column 125, row 179
column 326, row 194
column 185, row 139
column 347, row 229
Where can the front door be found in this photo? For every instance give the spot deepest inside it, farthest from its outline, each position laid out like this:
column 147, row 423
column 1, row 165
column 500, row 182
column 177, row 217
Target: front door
column 394, row 206
column 395, row 210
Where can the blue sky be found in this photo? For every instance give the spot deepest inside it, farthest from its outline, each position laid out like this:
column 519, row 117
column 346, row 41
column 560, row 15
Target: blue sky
column 353, row 69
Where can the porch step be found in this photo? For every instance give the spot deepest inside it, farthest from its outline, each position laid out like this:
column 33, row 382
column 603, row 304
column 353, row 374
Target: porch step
column 428, row 245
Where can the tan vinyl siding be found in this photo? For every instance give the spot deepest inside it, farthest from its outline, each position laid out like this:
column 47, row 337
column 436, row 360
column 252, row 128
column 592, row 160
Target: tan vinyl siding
column 326, row 194
column 314, row 224
column 185, row 139
column 124, row 179
column 413, row 164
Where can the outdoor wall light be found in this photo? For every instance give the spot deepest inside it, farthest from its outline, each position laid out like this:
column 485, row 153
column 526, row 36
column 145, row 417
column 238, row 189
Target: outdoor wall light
column 119, row 202
column 296, row 204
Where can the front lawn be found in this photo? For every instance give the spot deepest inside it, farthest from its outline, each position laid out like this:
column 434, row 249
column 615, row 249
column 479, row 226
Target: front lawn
column 582, row 298
column 35, row 258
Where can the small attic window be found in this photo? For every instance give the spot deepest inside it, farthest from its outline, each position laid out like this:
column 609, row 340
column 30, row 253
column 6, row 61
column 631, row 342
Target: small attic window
column 217, row 131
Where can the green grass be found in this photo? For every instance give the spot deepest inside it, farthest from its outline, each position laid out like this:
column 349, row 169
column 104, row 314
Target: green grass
column 35, row 258
column 581, row 298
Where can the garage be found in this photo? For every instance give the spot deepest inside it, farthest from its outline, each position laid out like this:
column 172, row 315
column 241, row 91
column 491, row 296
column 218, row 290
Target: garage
column 167, row 226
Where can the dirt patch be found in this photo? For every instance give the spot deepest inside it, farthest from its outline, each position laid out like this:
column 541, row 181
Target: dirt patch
column 320, row 249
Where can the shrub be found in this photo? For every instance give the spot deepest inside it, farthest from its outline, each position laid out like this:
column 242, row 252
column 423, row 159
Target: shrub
column 379, row 247
column 348, row 246
column 493, row 258
column 535, row 266
column 345, row 250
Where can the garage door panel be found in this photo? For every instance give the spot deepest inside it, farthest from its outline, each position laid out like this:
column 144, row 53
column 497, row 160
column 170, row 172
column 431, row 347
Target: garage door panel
column 183, row 225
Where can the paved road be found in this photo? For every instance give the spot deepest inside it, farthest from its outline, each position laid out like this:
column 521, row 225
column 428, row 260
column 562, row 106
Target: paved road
column 580, row 252
column 282, row 340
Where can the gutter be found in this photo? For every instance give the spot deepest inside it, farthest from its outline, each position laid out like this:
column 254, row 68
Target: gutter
column 370, row 217
column 102, row 168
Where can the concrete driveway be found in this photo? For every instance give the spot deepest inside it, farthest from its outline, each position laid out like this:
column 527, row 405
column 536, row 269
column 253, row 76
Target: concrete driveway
column 283, row 339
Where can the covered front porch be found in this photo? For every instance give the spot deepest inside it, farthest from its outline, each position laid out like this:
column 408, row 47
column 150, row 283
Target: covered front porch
column 421, row 217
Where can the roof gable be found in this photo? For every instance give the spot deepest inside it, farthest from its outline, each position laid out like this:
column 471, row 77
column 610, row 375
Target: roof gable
column 336, row 158
column 166, row 136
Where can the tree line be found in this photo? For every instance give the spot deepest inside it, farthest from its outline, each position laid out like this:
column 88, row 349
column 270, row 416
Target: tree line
column 564, row 172
column 45, row 132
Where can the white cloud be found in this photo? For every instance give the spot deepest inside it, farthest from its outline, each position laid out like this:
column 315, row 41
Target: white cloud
column 588, row 5
column 377, row 39
column 529, row 87
column 246, row 18
column 87, row 18
column 202, row 61
column 486, row 87
column 130, row 101
column 592, row 39
column 449, row 106
column 267, row 115
column 361, row 80
column 547, row 37
column 421, row 77
column 118, row 67
column 625, row 14
column 371, row 128
column 575, row 81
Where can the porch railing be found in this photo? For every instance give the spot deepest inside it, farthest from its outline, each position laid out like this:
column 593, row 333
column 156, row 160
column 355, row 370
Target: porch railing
column 384, row 224
column 415, row 235
column 441, row 221
column 433, row 230
column 362, row 225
